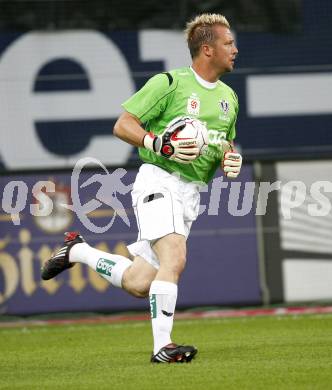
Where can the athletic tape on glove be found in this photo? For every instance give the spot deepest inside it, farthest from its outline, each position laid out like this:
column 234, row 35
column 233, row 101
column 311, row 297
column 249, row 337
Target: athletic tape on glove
column 232, row 164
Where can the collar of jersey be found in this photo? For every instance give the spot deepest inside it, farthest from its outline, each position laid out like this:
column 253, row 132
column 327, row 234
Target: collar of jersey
column 202, row 82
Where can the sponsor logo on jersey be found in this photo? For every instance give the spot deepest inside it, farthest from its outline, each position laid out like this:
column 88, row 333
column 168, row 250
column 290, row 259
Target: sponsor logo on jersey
column 193, row 104
column 105, row 266
column 218, row 141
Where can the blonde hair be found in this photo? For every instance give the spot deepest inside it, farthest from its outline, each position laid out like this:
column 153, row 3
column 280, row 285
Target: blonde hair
column 199, row 31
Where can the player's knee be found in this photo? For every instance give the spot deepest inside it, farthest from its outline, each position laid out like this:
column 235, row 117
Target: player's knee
column 177, row 266
column 171, row 252
column 179, row 255
column 139, row 288
column 175, row 261
column 139, row 293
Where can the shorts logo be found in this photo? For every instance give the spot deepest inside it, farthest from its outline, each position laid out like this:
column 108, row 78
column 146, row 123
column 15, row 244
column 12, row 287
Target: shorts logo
column 193, row 104
column 105, row 266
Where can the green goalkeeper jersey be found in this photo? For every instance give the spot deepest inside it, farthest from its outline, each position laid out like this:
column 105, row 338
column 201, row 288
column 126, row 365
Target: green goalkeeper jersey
column 178, row 93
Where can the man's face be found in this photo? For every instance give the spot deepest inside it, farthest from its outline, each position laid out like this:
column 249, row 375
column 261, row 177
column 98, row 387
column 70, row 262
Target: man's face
column 223, row 51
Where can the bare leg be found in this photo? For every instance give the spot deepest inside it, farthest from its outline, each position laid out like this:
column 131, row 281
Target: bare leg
column 138, row 277
column 171, row 252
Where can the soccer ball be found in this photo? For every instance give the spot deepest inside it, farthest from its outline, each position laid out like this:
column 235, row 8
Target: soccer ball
column 194, row 128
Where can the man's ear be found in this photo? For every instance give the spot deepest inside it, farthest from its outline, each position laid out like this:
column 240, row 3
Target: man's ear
column 207, row 50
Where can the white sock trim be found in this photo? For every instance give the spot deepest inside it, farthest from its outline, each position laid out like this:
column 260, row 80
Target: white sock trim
column 84, row 253
column 118, row 270
column 161, row 287
column 78, row 253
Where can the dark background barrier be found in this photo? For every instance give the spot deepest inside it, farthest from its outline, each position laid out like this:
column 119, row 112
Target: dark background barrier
column 271, row 15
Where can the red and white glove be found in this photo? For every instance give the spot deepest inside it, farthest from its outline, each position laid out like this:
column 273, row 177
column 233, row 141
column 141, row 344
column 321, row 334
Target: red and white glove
column 171, row 146
column 231, row 164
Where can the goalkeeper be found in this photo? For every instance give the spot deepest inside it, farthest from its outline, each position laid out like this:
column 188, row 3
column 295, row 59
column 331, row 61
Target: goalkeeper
column 165, row 194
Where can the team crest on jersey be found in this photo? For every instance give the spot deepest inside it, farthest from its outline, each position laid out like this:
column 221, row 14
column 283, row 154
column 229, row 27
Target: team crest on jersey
column 224, row 108
column 193, row 104
column 224, row 105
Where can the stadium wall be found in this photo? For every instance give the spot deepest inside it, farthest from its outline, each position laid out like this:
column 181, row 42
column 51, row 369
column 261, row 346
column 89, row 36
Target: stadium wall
column 296, row 236
column 263, row 239
column 60, row 94
column 61, row 91
column 219, row 271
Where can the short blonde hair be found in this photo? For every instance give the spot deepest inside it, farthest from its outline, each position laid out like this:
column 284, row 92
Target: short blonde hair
column 199, row 31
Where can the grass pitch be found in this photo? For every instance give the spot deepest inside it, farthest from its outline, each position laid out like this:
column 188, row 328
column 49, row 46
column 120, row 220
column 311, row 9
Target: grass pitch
column 289, row 352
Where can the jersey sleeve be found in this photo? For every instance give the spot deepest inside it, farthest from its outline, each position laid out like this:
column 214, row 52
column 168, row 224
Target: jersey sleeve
column 232, row 132
column 151, row 99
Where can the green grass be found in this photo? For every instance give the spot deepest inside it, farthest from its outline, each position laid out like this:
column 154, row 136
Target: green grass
column 250, row 353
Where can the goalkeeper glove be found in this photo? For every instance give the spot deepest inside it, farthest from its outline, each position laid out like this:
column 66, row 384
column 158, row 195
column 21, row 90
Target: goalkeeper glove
column 232, row 164
column 170, row 146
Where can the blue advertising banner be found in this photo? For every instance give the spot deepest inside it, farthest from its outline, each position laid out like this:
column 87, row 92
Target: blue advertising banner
column 222, row 265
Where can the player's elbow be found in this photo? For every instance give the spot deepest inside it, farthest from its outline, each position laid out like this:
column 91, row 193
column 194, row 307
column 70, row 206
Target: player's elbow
column 123, row 125
column 117, row 128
